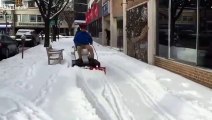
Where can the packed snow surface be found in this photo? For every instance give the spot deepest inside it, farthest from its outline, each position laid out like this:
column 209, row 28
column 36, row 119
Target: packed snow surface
column 30, row 89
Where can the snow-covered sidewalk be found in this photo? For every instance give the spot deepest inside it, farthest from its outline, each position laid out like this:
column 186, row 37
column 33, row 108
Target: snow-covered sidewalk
column 30, row 89
column 131, row 90
column 138, row 91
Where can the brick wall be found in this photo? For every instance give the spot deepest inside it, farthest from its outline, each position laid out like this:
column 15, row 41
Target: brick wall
column 199, row 75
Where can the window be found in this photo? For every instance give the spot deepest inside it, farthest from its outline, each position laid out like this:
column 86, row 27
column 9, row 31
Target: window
column 18, row 18
column 79, row 16
column 205, row 34
column 190, row 19
column 80, row 7
column 32, row 18
column 9, row 17
column 185, row 18
column 1, row 17
column 162, row 39
column 25, row 18
column 183, row 33
column 39, row 18
column 190, row 37
column 31, row 4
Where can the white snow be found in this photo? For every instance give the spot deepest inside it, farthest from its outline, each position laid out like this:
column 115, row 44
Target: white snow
column 30, row 89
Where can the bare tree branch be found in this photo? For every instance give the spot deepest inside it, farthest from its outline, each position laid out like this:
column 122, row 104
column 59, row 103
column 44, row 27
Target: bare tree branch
column 61, row 8
column 68, row 15
column 50, row 9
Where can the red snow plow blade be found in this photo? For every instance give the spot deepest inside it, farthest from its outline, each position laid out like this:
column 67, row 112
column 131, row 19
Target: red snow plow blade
column 99, row 68
column 93, row 64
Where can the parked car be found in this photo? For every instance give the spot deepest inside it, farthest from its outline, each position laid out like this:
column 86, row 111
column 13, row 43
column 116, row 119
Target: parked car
column 8, row 46
column 32, row 38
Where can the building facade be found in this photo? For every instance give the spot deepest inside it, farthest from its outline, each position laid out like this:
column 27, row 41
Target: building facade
column 178, row 36
column 26, row 16
column 95, row 22
column 112, row 20
column 80, row 8
column 106, row 15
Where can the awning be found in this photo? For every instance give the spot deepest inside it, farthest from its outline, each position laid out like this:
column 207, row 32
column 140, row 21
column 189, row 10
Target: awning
column 4, row 26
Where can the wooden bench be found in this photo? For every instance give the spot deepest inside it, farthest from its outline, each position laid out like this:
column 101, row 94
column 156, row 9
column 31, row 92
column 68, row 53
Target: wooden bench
column 54, row 54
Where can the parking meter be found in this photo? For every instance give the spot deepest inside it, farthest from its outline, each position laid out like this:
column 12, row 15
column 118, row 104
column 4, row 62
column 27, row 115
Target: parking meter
column 23, row 38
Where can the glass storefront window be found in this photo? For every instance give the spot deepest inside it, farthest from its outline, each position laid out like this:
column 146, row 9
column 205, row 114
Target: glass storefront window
column 32, row 18
column 162, row 47
column 183, row 31
column 205, row 34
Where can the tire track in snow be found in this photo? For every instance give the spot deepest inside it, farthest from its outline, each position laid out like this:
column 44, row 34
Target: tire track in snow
column 110, row 107
column 114, row 99
column 143, row 94
column 119, row 107
column 165, row 101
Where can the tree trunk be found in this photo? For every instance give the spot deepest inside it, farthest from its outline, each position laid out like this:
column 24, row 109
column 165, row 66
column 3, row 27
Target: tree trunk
column 47, row 41
column 55, row 29
column 70, row 31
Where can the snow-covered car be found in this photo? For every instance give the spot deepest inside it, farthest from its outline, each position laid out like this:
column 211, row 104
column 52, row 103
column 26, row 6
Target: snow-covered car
column 8, row 46
column 32, row 37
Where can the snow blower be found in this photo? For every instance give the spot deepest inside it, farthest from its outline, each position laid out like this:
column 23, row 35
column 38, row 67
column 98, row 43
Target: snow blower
column 86, row 61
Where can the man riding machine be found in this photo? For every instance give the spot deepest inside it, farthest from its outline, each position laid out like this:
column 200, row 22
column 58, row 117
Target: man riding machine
column 83, row 43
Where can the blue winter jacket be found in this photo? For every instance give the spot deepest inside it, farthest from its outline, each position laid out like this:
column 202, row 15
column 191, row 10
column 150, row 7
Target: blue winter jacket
column 82, row 38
